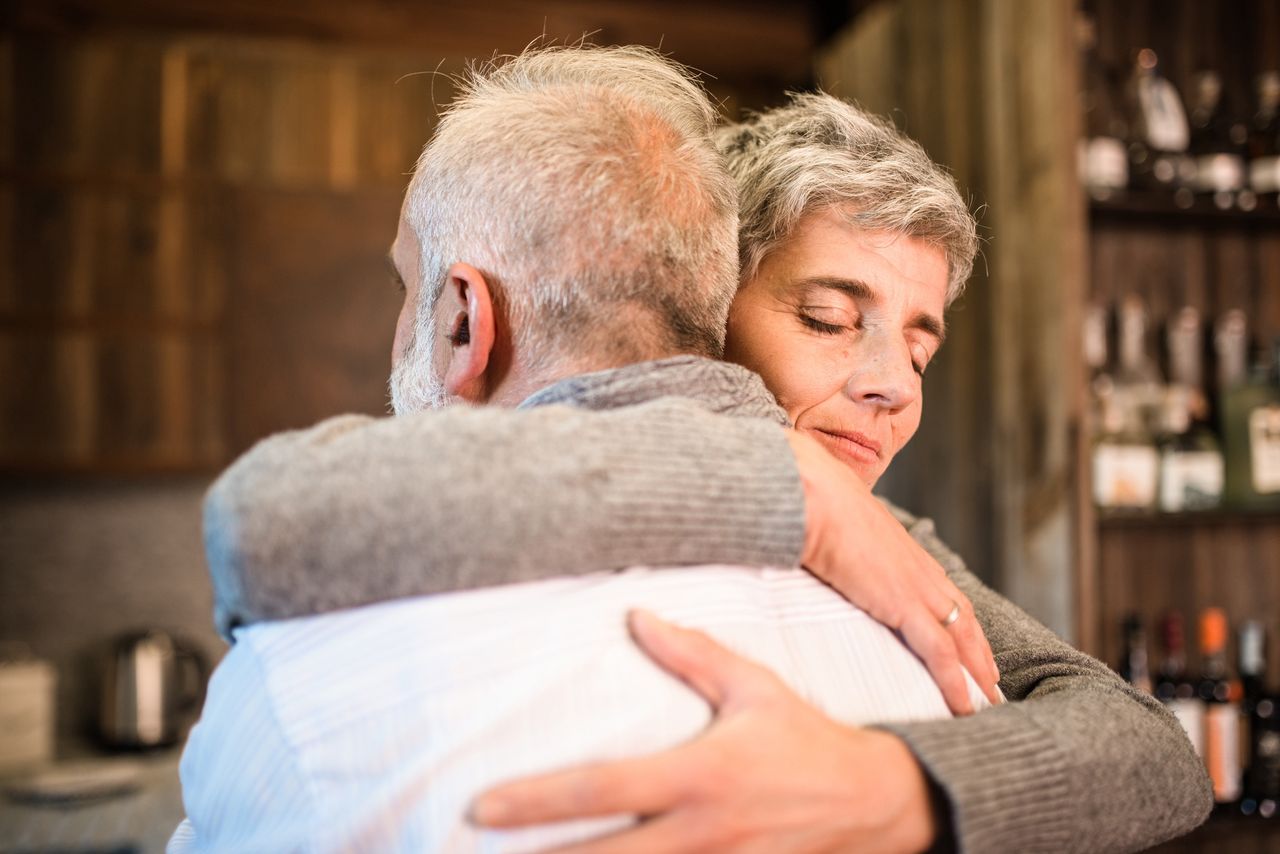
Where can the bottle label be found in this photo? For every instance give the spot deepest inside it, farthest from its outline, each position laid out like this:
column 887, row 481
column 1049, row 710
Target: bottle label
column 1222, row 750
column 1190, row 713
column 1190, row 480
column 1125, row 475
column 1163, row 114
column 1264, row 448
column 1104, row 163
column 1220, row 173
column 1264, row 174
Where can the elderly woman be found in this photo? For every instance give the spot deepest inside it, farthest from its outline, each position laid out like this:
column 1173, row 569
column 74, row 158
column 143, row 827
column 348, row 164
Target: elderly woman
column 852, row 245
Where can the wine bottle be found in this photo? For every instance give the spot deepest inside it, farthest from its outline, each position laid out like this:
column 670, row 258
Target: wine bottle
column 1104, row 158
column 1191, row 462
column 1133, row 665
column 1159, row 132
column 1173, row 688
column 1264, row 139
column 1218, row 144
column 1251, row 437
column 1222, row 709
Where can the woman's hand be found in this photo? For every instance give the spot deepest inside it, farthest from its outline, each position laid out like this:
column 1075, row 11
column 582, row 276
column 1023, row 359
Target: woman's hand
column 770, row 774
column 854, row 544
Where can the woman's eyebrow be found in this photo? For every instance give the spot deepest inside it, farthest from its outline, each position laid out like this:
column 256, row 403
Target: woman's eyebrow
column 853, row 288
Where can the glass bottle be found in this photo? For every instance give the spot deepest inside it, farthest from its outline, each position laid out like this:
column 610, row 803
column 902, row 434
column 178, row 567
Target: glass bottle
column 1159, row 132
column 1104, row 158
column 1222, row 709
column 1218, row 143
column 1173, row 688
column 1251, row 437
column 1133, row 666
column 1191, row 462
column 1264, row 138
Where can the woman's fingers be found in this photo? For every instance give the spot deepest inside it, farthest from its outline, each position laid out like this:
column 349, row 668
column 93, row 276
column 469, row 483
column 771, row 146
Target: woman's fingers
column 924, row 633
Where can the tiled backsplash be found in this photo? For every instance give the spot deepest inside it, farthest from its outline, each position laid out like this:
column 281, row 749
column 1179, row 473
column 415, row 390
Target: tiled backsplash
column 83, row 562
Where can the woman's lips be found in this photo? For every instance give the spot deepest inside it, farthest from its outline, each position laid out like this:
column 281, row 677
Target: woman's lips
column 854, row 447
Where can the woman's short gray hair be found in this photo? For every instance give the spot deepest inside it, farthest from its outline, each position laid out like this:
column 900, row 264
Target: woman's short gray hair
column 820, row 152
column 585, row 182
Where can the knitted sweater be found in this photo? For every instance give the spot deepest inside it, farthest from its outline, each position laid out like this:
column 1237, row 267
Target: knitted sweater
column 677, row 462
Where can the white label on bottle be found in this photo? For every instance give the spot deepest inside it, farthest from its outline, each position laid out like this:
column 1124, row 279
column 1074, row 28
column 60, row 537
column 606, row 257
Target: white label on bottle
column 1125, row 475
column 1105, row 164
column 1222, row 750
column 1264, row 174
column 1166, row 120
column 1264, row 448
column 1220, row 173
column 1190, row 480
column 1190, row 713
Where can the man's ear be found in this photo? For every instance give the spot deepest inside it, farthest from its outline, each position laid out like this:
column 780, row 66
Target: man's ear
column 468, row 315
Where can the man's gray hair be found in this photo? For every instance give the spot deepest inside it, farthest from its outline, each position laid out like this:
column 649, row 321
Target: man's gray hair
column 819, row 152
column 584, row 183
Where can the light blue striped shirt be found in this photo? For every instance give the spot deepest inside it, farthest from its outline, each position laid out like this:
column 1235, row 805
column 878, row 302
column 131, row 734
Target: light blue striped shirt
column 372, row 729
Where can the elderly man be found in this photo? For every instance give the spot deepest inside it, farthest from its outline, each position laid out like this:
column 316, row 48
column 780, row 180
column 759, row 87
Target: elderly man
column 846, row 766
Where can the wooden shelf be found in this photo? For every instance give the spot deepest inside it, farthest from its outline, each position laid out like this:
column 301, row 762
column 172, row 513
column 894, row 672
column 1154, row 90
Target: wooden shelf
column 1220, row 517
column 1160, row 208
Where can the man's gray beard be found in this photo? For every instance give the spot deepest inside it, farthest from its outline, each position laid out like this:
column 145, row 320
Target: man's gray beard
column 414, row 384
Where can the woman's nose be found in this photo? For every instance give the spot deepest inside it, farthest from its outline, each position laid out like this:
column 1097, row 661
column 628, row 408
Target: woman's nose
column 887, row 380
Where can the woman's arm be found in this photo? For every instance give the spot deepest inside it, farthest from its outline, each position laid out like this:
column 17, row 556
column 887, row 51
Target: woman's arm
column 1084, row 763
column 358, row 510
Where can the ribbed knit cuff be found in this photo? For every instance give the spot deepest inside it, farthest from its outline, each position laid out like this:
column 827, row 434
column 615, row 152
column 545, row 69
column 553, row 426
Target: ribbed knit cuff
column 1007, row 786
column 738, row 500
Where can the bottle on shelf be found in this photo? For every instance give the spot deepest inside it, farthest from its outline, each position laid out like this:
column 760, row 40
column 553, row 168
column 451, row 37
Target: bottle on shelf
column 1191, row 462
column 1103, row 157
column 1221, row 698
column 1218, row 145
column 1133, row 666
column 1264, row 139
column 1126, row 462
column 1158, row 132
column 1260, row 751
column 1261, row 712
column 1251, row 437
column 1173, row 688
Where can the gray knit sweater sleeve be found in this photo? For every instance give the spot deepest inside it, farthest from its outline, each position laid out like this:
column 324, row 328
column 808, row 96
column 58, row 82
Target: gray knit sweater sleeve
column 358, row 510
column 1085, row 763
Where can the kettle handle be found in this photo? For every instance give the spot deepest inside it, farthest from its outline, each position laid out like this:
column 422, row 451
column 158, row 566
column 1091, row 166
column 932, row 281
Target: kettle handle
column 193, row 676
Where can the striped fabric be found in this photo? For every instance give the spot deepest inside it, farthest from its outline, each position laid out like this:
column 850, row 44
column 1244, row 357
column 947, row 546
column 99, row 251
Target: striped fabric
column 372, row 729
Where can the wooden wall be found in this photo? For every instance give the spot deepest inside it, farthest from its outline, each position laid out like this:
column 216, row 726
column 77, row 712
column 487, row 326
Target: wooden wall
column 982, row 85
column 196, row 197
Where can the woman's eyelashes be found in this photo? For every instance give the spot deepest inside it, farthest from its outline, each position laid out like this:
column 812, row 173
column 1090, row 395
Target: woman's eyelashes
column 826, row 321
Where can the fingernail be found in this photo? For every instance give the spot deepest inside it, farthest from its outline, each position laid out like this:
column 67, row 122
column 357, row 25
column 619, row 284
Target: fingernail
column 487, row 810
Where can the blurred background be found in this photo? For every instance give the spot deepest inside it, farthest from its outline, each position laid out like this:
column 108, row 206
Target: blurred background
column 196, row 198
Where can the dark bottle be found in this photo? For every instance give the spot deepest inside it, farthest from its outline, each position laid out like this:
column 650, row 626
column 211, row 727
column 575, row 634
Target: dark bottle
column 1222, row 709
column 1133, row 665
column 1262, row 780
column 1104, row 158
column 1158, row 131
column 1264, row 138
column 1252, row 667
column 1173, row 688
column 1218, row 144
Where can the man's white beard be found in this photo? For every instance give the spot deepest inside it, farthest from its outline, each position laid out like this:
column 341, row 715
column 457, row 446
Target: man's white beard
column 414, row 384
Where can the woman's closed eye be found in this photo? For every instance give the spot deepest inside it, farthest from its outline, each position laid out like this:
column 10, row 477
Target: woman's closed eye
column 827, row 320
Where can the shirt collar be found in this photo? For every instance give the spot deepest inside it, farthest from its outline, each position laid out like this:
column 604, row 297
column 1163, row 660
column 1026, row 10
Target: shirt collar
column 720, row 386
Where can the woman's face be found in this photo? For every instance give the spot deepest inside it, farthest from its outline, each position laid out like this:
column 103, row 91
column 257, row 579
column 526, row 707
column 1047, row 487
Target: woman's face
column 841, row 323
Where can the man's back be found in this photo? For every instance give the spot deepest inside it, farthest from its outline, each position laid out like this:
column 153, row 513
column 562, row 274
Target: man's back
column 372, row 729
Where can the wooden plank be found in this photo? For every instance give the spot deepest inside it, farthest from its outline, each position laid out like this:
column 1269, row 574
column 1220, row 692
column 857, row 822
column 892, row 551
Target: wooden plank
column 86, row 106
column 734, row 40
column 311, row 317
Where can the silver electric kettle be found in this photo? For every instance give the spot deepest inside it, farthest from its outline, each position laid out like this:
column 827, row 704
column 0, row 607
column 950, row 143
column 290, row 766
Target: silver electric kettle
column 150, row 682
